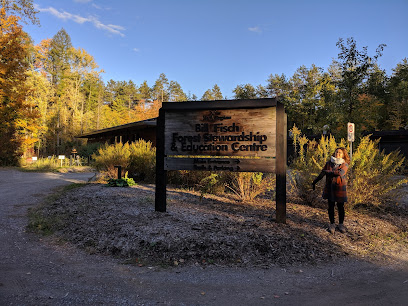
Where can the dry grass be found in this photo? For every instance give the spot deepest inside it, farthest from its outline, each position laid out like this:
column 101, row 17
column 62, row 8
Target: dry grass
column 218, row 230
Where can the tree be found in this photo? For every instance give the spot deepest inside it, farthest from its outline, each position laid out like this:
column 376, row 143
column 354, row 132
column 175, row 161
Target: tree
column 160, row 89
column 305, row 97
column 22, row 8
column 145, row 91
column 94, row 90
column 355, row 67
column 59, row 56
column 261, row 91
column 278, row 86
column 398, row 96
column 176, row 93
column 374, row 100
column 39, row 97
column 58, row 63
column 212, row 94
column 330, row 114
column 216, row 92
column 246, row 91
column 207, row 96
column 18, row 118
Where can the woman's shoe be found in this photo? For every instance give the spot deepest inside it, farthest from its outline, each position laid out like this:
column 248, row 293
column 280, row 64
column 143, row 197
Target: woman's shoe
column 332, row 228
column 342, row 228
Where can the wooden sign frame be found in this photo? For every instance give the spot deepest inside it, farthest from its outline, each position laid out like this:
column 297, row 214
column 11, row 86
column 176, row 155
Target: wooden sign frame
column 225, row 135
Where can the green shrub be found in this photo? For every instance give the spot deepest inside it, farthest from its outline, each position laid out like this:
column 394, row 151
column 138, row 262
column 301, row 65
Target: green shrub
column 122, row 182
column 88, row 150
column 371, row 175
column 209, row 184
column 138, row 159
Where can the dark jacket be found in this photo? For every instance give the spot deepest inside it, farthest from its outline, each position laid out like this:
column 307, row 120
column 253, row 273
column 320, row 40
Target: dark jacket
column 335, row 188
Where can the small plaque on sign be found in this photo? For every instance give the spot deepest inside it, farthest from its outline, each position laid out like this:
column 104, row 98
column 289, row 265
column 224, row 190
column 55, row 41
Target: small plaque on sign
column 34, row 158
column 61, row 156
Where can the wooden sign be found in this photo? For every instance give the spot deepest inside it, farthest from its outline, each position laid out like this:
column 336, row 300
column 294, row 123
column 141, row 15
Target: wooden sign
column 235, row 132
column 228, row 135
column 220, row 164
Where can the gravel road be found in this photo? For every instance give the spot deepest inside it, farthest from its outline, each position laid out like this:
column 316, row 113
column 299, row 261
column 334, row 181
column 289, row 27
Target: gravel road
column 41, row 271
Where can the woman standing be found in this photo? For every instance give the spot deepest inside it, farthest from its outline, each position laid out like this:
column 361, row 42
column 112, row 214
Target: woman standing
column 335, row 189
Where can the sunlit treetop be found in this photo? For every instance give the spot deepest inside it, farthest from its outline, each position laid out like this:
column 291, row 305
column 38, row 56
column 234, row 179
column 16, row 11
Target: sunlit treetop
column 23, row 8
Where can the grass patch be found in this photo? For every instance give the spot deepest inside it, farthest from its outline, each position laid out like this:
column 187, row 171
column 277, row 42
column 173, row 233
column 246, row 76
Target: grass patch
column 41, row 221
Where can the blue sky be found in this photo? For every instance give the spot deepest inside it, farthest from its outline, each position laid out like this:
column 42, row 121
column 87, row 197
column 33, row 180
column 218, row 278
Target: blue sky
column 199, row 43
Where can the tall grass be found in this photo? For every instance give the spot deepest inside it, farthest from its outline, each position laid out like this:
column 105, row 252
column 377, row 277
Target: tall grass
column 45, row 164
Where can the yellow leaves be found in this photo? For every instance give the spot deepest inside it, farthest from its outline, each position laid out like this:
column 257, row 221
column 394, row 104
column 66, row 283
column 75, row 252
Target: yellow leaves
column 371, row 175
column 14, row 110
column 13, row 53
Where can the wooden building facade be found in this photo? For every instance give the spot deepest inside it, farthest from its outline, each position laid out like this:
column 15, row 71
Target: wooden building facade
column 391, row 140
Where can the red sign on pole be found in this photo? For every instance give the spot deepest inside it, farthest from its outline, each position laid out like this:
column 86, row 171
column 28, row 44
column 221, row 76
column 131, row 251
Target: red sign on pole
column 350, row 131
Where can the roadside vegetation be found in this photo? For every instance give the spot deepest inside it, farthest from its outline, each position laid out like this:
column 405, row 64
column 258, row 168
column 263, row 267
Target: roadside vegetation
column 54, row 91
column 374, row 177
column 228, row 218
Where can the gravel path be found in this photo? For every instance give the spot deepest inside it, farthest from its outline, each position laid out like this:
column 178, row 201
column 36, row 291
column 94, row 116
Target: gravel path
column 42, row 271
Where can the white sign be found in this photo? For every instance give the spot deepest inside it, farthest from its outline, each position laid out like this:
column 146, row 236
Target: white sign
column 350, row 131
column 34, row 158
column 61, row 156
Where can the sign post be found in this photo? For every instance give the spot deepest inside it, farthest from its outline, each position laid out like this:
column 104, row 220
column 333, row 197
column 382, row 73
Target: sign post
column 228, row 135
column 61, row 157
column 350, row 137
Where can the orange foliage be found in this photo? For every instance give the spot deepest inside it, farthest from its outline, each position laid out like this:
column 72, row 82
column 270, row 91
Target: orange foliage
column 42, row 50
column 17, row 117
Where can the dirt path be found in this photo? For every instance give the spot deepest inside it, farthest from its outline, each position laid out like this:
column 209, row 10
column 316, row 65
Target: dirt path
column 36, row 271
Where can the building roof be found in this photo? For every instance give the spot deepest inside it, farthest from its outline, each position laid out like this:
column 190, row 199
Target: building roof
column 396, row 135
column 120, row 128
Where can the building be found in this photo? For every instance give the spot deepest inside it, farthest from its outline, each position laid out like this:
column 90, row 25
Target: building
column 130, row 132
column 391, row 140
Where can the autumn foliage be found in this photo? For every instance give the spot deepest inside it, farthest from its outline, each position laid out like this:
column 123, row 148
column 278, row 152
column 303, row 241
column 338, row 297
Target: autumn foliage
column 52, row 92
column 18, row 125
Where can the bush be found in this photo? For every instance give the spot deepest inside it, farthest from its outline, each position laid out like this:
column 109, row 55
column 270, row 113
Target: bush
column 246, row 185
column 122, row 182
column 138, row 159
column 44, row 164
column 212, row 182
column 86, row 151
column 371, row 175
column 142, row 163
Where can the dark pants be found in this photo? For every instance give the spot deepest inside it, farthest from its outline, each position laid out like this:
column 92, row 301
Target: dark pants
column 340, row 208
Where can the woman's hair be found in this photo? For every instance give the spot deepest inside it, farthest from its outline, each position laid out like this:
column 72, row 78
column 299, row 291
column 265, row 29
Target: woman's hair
column 345, row 154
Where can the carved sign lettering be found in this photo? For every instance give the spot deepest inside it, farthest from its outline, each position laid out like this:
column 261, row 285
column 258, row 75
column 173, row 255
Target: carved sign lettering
column 236, row 132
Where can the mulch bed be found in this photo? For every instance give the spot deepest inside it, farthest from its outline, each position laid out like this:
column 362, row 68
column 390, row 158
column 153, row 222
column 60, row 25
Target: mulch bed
column 217, row 230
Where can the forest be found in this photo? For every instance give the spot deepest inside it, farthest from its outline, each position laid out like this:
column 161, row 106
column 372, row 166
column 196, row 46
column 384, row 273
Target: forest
column 54, row 91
